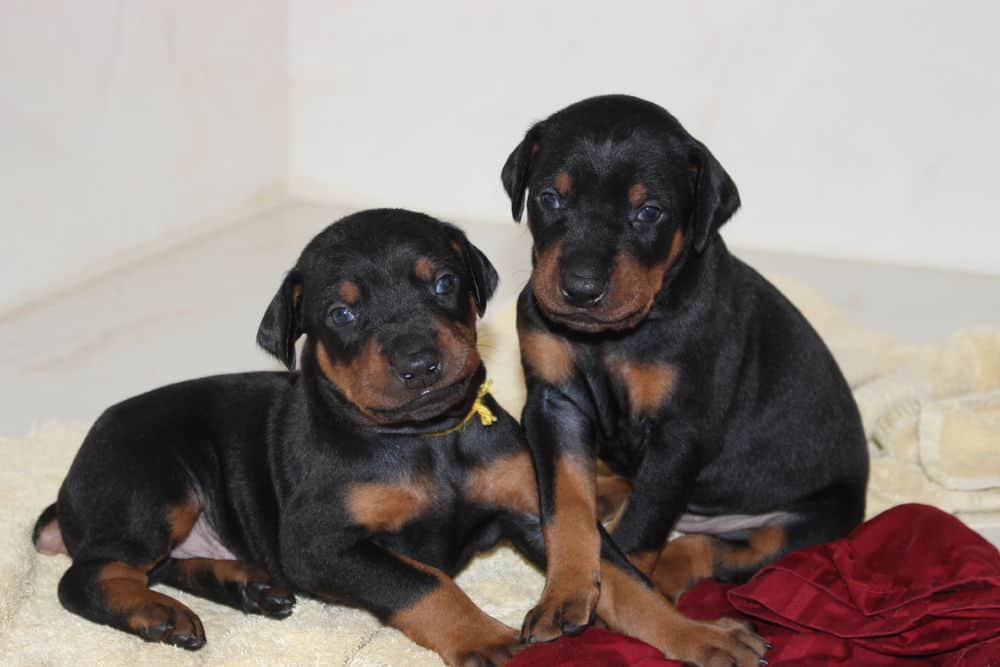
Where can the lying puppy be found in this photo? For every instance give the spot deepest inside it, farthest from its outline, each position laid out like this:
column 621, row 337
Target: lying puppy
column 647, row 345
column 368, row 478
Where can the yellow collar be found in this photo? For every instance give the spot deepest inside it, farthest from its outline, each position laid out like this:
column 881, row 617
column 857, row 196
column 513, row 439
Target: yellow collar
column 486, row 416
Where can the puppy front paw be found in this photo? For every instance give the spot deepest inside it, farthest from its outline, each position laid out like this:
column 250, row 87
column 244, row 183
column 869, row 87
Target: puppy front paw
column 563, row 609
column 725, row 642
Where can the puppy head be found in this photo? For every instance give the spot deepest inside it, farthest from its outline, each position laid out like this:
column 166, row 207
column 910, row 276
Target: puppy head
column 617, row 193
column 388, row 300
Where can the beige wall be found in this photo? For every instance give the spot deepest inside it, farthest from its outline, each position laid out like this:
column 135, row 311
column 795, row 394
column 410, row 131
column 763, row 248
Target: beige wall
column 126, row 125
column 858, row 128
column 853, row 128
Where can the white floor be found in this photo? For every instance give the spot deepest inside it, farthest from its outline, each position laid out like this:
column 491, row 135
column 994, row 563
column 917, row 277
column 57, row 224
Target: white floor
column 194, row 311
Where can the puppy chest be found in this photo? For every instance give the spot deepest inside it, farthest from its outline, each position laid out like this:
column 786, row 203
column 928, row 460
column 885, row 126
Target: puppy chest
column 390, row 505
column 628, row 396
column 641, row 388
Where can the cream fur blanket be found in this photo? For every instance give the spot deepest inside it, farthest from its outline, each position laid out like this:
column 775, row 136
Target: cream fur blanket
column 932, row 415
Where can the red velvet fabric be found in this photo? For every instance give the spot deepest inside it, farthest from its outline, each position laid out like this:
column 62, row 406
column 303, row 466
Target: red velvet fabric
column 913, row 586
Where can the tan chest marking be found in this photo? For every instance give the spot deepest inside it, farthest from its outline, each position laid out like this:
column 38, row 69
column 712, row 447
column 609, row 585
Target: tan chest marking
column 387, row 507
column 648, row 386
column 507, row 482
column 545, row 355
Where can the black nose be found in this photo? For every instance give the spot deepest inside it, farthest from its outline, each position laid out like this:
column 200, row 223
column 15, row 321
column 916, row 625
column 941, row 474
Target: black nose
column 416, row 362
column 582, row 286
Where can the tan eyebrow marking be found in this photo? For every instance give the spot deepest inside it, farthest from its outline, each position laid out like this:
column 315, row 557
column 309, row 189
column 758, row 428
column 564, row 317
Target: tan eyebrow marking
column 563, row 183
column 637, row 194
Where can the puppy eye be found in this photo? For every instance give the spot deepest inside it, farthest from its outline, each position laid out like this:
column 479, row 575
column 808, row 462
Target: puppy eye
column 549, row 200
column 341, row 315
column 445, row 284
column 648, row 214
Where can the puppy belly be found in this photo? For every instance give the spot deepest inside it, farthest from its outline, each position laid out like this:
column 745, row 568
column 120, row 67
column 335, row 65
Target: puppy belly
column 202, row 542
column 729, row 523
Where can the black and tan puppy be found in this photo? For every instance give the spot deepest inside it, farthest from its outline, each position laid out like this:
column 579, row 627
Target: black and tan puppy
column 368, row 478
column 645, row 344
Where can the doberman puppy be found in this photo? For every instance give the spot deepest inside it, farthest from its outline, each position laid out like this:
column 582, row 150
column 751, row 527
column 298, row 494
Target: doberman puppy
column 648, row 347
column 369, row 478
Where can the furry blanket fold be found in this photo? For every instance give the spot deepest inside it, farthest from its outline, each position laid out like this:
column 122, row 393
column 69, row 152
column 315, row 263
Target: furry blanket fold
column 932, row 414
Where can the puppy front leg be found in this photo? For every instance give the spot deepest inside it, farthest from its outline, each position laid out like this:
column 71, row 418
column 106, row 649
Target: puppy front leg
column 660, row 492
column 420, row 600
column 629, row 604
column 560, row 437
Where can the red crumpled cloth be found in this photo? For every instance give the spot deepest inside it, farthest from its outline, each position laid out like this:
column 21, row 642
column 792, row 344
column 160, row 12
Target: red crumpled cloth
column 913, row 586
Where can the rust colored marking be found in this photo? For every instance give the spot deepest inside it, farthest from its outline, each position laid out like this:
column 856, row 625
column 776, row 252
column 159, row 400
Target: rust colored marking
column 765, row 543
column 296, row 294
column 424, row 268
column 361, row 379
column 690, row 558
column 388, row 507
column 545, row 277
column 447, row 621
column 572, row 543
column 349, row 292
column 676, row 245
column 637, row 194
column 368, row 383
column 546, row 355
column 457, row 340
column 629, row 607
column 613, row 492
column 124, row 590
column 182, row 516
column 647, row 385
column 120, row 570
column 473, row 315
column 507, row 482
column 223, row 571
column 645, row 561
column 563, row 183
column 683, row 562
column 632, row 288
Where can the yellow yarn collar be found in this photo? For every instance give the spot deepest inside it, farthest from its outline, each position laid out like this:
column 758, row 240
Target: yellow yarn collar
column 486, row 416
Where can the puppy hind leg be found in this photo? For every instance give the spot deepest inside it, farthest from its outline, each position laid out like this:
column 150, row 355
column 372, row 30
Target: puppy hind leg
column 108, row 582
column 688, row 559
column 683, row 562
column 116, row 593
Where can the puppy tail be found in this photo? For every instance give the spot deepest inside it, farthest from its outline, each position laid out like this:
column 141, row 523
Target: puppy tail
column 46, row 536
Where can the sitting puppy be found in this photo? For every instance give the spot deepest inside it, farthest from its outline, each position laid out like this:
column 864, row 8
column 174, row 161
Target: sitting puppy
column 368, row 478
column 647, row 345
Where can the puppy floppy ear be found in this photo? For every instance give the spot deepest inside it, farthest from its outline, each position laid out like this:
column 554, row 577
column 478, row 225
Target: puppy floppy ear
column 517, row 169
column 484, row 275
column 282, row 322
column 716, row 197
